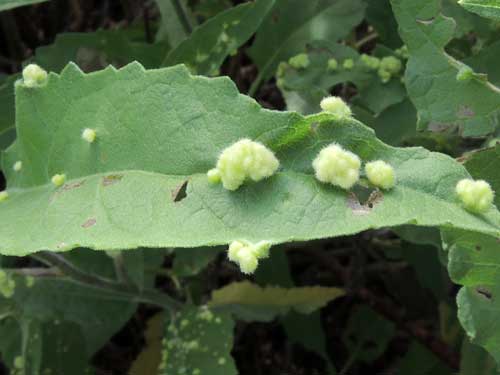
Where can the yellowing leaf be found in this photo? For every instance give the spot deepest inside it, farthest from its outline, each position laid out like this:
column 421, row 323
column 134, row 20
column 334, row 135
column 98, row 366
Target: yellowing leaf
column 251, row 302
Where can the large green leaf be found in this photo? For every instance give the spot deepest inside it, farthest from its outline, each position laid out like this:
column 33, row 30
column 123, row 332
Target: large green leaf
column 160, row 130
column 209, row 44
column 251, row 302
column 292, row 24
column 485, row 8
column 442, row 101
column 10, row 4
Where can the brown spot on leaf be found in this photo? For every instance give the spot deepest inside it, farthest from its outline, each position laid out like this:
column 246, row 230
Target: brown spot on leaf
column 465, row 112
column 111, row 179
column 179, row 193
column 64, row 188
column 484, row 292
column 71, row 186
column 89, row 223
column 363, row 209
column 478, row 248
column 439, row 126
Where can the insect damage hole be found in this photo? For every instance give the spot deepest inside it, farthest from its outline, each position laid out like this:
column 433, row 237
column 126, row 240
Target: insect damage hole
column 179, row 193
column 485, row 293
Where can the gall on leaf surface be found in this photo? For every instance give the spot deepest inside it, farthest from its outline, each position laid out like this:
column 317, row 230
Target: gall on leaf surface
column 160, row 129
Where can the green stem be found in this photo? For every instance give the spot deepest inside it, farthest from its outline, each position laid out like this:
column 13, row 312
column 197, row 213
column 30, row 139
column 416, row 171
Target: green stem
column 351, row 360
column 255, row 85
column 365, row 40
column 150, row 296
column 179, row 9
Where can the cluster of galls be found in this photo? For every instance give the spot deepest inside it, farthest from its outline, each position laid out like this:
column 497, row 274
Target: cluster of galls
column 252, row 160
column 386, row 67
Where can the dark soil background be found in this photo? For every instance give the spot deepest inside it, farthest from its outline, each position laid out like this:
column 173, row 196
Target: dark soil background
column 360, row 263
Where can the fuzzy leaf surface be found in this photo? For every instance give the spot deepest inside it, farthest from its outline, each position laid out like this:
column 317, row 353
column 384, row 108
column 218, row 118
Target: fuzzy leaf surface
column 159, row 132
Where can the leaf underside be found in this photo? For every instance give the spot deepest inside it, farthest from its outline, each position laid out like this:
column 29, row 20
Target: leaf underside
column 158, row 132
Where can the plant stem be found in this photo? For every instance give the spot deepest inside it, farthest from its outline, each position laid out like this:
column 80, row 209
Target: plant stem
column 255, row 85
column 150, row 296
column 120, row 269
column 360, row 43
column 179, row 9
column 351, row 360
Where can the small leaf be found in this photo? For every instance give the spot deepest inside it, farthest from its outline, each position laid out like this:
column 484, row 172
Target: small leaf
column 474, row 261
column 286, row 31
column 198, row 341
column 176, row 21
column 475, row 360
column 251, row 302
column 485, row 8
column 368, row 334
column 420, row 360
column 189, row 262
column 210, row 43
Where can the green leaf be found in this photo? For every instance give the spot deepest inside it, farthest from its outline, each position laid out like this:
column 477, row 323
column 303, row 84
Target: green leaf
column 486, row 62
column 483, row 164
column 303, row 89
column 176, row 21
column 476, row 361
column 420, row 360
column 286, row 31
column 251, row 302
column 395, row 125
column 206, row 48
column 367, row 334
column 474, row 262
column 122, row 191
column 210, row 8
column 11, row 4
column 309, row 332
column 442, row 101
column 52, row 347
column 96, row 50
column 7, row 107
column 189, row 262
column 198, row 341
column 379, row 15
column 485, row 8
